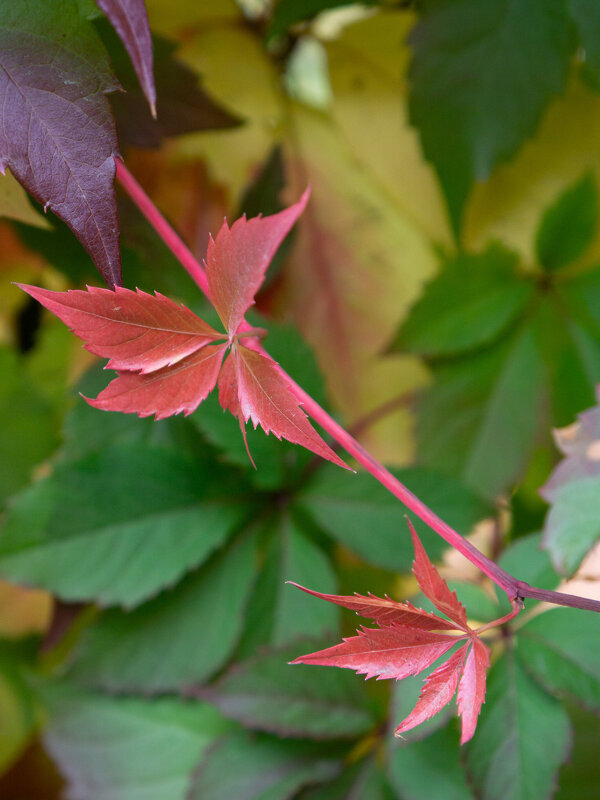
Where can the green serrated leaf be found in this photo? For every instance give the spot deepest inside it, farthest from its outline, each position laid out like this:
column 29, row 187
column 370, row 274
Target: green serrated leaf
column 180, row 637
column 127, row 749
column 278, row 613
column 480, row 419
column 268, row 694
column 573, row 523
column 118, row 525
column 248, row 767
column 481, row 77
column 561, row 648
column 522, row 738
column 360, row 514
column 471, row 303
column 430, row 768
column 568, row 226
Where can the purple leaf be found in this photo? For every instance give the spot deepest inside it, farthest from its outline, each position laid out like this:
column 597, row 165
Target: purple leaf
column 130, row 20
column 57, row 133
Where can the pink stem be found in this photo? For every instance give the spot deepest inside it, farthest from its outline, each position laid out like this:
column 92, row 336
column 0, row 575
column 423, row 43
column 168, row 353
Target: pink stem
column 514, row 588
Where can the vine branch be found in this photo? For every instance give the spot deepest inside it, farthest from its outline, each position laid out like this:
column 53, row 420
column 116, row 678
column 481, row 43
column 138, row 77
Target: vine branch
column 515, row 589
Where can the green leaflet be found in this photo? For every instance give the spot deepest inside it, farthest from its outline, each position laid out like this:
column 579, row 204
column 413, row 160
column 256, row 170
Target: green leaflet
column 247, row 767
column 526, row 560
column 118, row 525
column 362, row 781
column 278, row 613
column 268, row 694
column 111, row 748
column 180, row 637
column 586, row 16
column 473, row 300
column 430, row 768
column 359, row 513
column 561, row 648
column 522, row 738
column 573, row 523
column 469, row 98
column 568, row 226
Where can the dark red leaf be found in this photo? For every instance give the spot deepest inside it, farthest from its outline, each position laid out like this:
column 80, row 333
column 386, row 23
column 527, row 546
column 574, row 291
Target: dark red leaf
column 237, row 260
column 396, row 651
column 170, row 390
column 385, row 612
column 439, row 688
column 471, row 689
column 434, row 586
column 135, row 330
column 265, row 398
column 57, row 134
column 130, row 20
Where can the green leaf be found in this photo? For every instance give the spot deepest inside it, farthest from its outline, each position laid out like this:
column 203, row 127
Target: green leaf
column 248, row 767
column 278, row 613
column 480, row 419
column 268, row 694
column 362, row 781
column 573, row 523
column 522, row 738
column 359, row 513
column 180, row 637
column 471, row 303
column 482, row 74
column 127, row 749
column 118, row 525
column 568, row 226
column 27, row 426
column 18, row 713
column 586, row 16
column 430, row 768
column 561, row 648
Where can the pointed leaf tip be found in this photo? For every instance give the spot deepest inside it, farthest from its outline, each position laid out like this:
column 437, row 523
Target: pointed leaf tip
column 238, row 258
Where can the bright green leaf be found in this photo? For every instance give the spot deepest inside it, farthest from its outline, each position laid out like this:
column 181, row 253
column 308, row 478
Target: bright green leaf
column 573, row 523
column 268, row 694
column 522, row 738
column 117, row 525
column 248, row 767
column 472, row 301
column 568, row 226
column 127, row 749
column 178, row 638
column 481, row 76
column 562, row 650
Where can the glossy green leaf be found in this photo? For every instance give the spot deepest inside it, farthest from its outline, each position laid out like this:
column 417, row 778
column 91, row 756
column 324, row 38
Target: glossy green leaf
column 180, row 637
column 362, row 515
column 430, row 768
column 573, row 523
column 111, row 748
column 522, row 738
column 117, row 525
column 480, row 419
column 247, row 767
column 482, row 74
column 568, row 226
column 471, row 303
column 268, row 694
column 561, row 648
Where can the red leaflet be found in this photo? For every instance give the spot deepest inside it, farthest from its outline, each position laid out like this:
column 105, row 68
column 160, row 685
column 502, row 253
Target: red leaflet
column 385, row 612
column 168, row 359
column 434, row 586
column 407, row 642
column 135, row 330
column 471, row 689
column 395, row 651
column 237, row 260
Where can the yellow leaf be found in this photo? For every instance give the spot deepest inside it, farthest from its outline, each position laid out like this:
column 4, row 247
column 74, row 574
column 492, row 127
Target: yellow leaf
column 175, row 16
column 14, row 203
